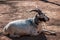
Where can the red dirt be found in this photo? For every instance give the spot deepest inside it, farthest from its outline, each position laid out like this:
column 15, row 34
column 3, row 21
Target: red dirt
column 20, row 10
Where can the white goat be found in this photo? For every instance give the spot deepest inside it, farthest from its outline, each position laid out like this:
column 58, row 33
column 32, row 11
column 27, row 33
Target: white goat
column 25, row 26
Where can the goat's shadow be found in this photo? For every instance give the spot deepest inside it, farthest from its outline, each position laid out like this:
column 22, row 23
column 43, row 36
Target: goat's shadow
column 39, row 37
column 46, row 1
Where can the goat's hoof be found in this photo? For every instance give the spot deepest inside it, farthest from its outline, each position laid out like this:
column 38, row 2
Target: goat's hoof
column 53, row 34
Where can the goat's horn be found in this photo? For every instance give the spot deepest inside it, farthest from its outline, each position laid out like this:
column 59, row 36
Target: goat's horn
column 37, row 10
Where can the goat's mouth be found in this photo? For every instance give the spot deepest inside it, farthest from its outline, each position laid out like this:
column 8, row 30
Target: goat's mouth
column 47, row 19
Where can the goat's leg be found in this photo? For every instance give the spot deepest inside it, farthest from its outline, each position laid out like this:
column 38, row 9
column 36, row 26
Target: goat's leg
column 12, row 35
column 49, row 32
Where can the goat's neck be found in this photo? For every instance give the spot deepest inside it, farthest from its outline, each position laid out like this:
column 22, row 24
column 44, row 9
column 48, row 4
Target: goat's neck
column 36, row 21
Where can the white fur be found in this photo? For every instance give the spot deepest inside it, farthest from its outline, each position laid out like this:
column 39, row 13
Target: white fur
column 21, row 27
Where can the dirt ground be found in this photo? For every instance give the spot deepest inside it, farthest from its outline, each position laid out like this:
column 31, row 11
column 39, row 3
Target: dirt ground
column 14, row 10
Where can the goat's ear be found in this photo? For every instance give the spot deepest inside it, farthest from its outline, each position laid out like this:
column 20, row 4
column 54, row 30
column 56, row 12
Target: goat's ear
column 37, row 15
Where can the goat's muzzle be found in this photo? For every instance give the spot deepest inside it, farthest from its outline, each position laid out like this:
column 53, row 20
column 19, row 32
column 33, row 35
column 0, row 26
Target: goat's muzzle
column 46, row 19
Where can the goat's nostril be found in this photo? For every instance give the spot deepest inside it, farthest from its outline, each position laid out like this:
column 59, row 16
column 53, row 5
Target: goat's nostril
column 48, row 19
column 38, row 32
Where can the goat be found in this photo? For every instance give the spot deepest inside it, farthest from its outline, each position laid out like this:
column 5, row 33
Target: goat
column 25, row 26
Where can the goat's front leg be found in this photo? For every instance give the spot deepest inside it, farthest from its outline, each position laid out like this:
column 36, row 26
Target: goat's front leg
column 49, row 32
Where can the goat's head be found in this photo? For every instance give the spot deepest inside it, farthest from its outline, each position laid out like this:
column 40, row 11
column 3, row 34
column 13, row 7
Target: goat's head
column 40, row 16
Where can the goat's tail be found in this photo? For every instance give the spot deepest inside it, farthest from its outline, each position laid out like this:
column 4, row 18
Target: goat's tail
column 1, row 33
